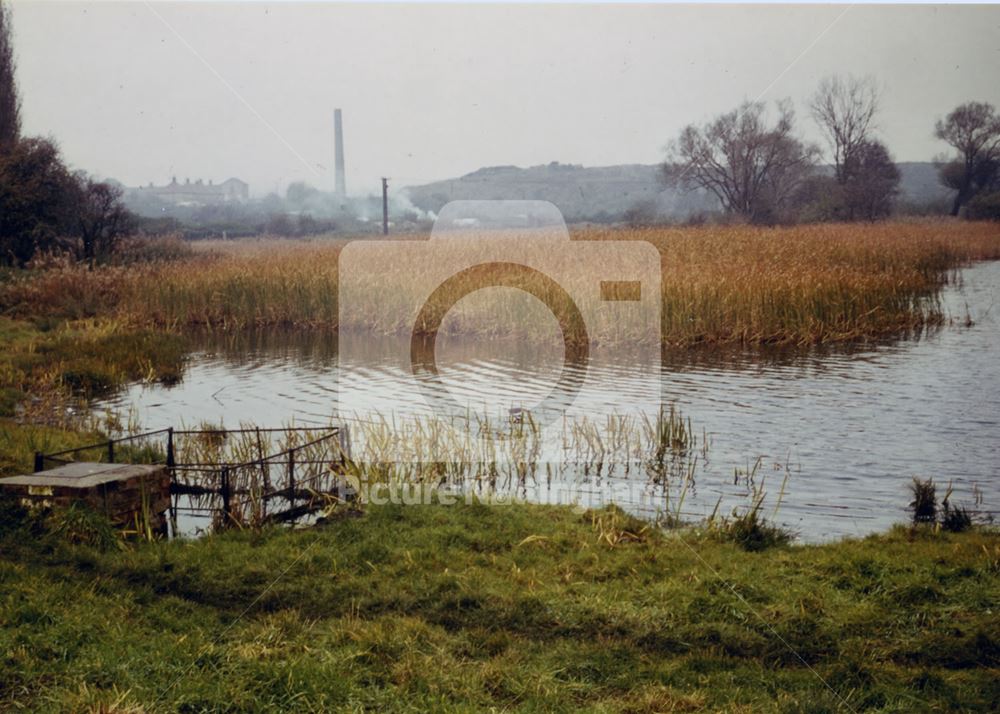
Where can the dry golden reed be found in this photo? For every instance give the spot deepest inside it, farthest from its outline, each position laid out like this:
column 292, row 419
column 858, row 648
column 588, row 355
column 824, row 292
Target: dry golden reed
column 721, row 284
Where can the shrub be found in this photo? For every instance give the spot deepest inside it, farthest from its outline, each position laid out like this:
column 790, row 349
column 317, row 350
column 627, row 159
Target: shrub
column 36, row 203
column 984, row 207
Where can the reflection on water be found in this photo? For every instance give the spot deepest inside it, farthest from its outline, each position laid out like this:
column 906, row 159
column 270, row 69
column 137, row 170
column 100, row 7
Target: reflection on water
column 851, row 426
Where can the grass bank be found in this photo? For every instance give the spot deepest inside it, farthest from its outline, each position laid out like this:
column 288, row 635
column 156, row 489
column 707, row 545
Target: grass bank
column 49, row 368
column 722, row 285
column 476, row 608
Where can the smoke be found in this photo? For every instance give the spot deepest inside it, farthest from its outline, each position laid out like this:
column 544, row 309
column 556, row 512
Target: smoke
column 405, row 205
column 303, row 199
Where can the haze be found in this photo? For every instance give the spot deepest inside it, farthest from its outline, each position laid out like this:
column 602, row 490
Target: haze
column 145, row 92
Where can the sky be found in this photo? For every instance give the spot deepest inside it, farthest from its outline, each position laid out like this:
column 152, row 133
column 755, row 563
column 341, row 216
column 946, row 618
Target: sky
column 142, row 91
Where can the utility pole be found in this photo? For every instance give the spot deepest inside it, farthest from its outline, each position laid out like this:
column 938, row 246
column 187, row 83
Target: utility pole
column 385, row 206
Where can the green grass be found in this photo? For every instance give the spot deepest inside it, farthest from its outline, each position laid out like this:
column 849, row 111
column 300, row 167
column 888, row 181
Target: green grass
column 478, row 608
column 463, row 608
column 49, row 369
column 88, row 358
column 19, row 442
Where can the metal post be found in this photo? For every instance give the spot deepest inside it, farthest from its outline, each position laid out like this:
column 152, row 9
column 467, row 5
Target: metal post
column 111, row 451
column 291, row 477
column 170, row 447
column 173, row 516
column 344, row 441
column 265, row 471
column 39, row 461
column 385, row 206
column 226, row 513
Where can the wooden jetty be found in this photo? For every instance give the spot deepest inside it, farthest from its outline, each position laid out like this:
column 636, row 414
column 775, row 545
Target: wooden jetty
column 278, row 486
column 128, row 494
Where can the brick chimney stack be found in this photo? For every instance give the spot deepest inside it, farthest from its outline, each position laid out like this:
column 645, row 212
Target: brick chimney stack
column 338, row 130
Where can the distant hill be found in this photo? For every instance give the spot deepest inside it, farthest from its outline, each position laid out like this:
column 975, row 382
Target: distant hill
column 598, row 193
column 920, row 185
column 606, row 193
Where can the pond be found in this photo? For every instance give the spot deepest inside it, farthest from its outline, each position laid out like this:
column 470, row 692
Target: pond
column 835, row 435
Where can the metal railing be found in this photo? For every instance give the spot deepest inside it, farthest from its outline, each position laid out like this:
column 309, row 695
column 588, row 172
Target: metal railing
column 303, row 476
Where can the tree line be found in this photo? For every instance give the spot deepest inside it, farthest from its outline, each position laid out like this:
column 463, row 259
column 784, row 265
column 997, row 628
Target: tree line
column 760, row 171
column 44, row 206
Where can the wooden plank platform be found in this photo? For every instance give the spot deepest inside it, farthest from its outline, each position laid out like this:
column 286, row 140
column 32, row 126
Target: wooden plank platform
column 80, row 475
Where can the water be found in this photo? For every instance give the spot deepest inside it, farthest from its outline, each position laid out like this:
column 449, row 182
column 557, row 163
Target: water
column 851, row 427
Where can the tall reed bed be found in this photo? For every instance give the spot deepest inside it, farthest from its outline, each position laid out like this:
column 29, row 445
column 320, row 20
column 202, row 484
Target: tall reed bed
column 233, row 286
column 810, row 284
column 649, row 461
column 736, row 284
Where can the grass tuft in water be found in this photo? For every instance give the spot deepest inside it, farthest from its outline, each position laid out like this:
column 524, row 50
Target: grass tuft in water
column 954, row 518
column 751, row 531
column 924, row 506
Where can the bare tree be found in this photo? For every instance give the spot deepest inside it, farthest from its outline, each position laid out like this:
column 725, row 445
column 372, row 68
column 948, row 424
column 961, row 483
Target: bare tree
column 10, row 104
column 973, row 129
column 753, row 168
column 845, row 108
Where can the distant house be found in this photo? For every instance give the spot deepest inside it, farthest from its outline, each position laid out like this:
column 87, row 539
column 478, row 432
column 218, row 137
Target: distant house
column 194, row 194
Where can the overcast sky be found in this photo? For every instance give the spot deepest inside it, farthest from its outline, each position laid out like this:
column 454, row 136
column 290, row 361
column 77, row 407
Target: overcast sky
column 211, row 90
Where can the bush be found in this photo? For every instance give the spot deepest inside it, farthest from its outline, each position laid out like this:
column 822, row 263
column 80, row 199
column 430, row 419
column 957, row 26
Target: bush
column 820, row 199
column 984, row 207
column 44, row 207
column 158, row 226
column 36, row 203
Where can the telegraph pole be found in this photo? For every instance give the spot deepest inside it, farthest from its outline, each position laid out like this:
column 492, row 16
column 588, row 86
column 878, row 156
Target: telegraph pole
column 385, row 206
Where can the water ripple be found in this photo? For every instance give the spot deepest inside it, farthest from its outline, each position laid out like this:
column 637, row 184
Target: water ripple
column 856, row 424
